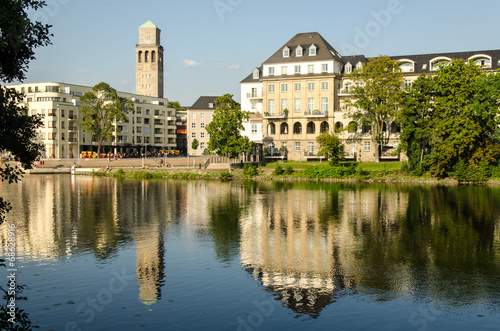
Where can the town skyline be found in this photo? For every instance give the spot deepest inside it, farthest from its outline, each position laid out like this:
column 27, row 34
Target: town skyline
column 209, row 48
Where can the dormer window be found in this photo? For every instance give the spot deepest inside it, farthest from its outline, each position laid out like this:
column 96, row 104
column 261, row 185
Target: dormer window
column 210, row 105
column 312, row 50
column 483, row 61
column 359, row 65
column 348, row 68
column 439, row 62
column 286, row 52
column 406, row 65
column 256, row 73
column 298, row 51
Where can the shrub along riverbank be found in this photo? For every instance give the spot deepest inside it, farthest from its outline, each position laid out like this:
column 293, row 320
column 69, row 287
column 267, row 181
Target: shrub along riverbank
column 297, row 171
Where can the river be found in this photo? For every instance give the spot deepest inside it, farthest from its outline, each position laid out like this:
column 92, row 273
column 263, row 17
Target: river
column 109, row 254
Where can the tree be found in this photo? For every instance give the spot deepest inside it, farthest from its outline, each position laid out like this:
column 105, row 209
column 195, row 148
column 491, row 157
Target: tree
column 330, row 146
column 377, row 95
column 414, row 119
column 194, row 144
column 101, row 108
column 224, row 130
column 176, row 105
column 451, row 120
column 19, row 37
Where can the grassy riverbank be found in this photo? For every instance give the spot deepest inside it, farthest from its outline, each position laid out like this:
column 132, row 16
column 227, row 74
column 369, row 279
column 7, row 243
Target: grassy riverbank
column 290, row 171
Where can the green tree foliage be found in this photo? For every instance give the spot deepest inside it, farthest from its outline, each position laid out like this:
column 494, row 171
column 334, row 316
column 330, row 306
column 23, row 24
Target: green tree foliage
column 101, row 108
column 176, row 105
column 19, row 37
column 449, row 122
column 377, row 95
column 224, row 130
column 195, row 144
column 330, row 146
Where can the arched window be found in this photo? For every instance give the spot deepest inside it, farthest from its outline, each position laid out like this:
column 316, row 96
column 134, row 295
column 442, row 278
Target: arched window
column 394, row 128
column 284, row 128
column 297, row 128
column 339, row 127
column 311, row 128
column 352, row 127
column 325, row 127
column 437, row 62
column 367, row 128
column 146, row 56
column 139, row 57
column 271, row 129
column 153, row 56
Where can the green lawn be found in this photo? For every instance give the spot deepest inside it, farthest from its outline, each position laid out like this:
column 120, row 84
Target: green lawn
column 368, row 166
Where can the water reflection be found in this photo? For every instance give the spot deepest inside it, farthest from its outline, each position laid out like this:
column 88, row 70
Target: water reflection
column 308, row 244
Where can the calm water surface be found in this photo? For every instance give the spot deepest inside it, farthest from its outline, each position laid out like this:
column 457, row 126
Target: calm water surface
column 105, row 254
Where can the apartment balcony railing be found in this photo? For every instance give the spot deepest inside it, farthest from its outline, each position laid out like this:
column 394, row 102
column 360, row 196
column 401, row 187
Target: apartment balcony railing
column 316, row 113
column 257, row 95
column 276, row 115
column 345, row 92
column 73, row 117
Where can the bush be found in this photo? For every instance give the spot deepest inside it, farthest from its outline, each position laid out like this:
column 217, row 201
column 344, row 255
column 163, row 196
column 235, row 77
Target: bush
column 119, row 173
column 289, row 170
column 250, row 170
column 278, row 171
column 225, row 175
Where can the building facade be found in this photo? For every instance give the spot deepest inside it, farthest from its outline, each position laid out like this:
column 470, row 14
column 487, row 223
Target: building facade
column 151, row 127
column 302, row 91
column 198, row 116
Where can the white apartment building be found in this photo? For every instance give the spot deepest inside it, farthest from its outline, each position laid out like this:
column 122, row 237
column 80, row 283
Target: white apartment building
column 151, row 127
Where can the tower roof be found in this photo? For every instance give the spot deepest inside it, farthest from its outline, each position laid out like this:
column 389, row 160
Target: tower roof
column 148, row 24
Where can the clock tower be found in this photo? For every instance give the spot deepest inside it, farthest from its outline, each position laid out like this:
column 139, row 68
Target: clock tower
column 149, row 62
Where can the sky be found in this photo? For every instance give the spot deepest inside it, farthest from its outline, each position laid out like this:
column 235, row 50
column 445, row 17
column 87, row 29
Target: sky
column 211, row 45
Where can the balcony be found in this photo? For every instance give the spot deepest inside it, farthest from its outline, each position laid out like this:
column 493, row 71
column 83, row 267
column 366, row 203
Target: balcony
column 277, row 115
column 345, row 93
column 73, row 117
column 72, row 128
column 316, row 113
column 254, row 95
column 72, row 141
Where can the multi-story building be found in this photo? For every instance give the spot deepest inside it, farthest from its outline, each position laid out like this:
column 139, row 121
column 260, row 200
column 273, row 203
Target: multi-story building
column 150, row 127
column 302, row 90
column 198, row 117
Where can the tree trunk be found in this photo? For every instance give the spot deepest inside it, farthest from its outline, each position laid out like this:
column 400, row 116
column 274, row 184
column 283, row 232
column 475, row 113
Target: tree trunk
column 377, row 151
column 229, row 164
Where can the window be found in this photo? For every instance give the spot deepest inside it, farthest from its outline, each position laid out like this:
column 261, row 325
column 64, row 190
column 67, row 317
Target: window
column 286, row 52
column 324, row 86
column 312, row 50
column 62, row 112
column 297, row 86
column 139, row 129
column 193, row 135
column 139, row 120
column 367, row 146
column 284, row 104
column 284, row 70
column 311, row 128
column 271, row 71
column 271, row 129
column 348, row 68
column 297, row 105
column 202, row 135
column 271, row 87
column 148, row 112
column 284, row 128
column 254, row 105
column 52, row 89
column 202, row 115
column 146, row 121
column 310, row 69
column 139, row 110
column 298, row 51
column 297, row 69
column 202, row 125
column 297, row 128
column 256, row 74
column 310, row 103
column 310, row 147
column 284, row 87
column 210, row 105
column 324, row 105
column 193, row 125
column 193, row 116
column 271, row 107
column 297, row 146
column 310, row 86
column 254, row 128
column 62, row 125
column 324, row 67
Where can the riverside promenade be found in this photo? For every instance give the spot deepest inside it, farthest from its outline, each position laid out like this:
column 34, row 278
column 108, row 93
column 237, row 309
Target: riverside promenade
column 88, row 165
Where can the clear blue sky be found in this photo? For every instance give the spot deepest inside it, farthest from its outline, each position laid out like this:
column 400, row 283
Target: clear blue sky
column 211, row 45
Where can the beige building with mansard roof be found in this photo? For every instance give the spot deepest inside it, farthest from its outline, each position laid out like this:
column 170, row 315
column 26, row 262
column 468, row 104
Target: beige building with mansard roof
column 302, row 89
